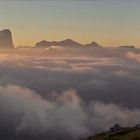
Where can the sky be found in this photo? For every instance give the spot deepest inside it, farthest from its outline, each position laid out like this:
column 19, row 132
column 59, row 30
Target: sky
column 108, row 22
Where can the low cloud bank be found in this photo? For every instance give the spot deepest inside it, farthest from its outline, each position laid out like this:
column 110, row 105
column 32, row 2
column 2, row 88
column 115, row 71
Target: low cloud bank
column 25, row 114
column 134, row 56
column 67, row 93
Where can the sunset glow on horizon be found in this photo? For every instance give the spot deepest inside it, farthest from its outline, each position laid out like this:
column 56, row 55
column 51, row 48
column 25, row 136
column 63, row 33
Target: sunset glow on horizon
column 110, row 23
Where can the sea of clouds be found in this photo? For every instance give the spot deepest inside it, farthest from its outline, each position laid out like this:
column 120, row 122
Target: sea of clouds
column 67, row 93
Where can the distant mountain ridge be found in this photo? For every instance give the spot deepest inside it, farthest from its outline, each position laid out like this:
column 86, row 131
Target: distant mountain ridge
column 6, row 42
column 127, row 47
column 64, row 43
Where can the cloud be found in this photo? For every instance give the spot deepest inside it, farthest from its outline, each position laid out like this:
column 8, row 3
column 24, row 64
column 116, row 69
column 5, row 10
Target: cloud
column 25, row 114
column 134, row 56
column 67, row 93
column 105, row 79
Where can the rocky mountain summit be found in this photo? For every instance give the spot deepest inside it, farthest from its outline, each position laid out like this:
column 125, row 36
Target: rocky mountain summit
column 6, row 39
column 64, row 43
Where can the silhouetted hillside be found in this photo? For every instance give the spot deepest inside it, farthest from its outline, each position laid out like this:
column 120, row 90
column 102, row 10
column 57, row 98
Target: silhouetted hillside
column 127, row 47
column 118, row 133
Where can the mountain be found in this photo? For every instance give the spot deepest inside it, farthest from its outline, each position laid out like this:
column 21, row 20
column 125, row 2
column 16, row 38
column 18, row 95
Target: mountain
column 127, row 47
column 92, row 44
column 6, row 39
column 64, row 43
column 69, row 43
column 44, row 44
column 125, row 133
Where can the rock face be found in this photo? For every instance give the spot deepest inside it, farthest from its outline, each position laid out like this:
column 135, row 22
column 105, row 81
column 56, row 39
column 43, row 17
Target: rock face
column 6, row 39
column 64, row 43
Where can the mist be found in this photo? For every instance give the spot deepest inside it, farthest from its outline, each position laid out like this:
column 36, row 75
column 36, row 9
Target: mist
column 67, row 93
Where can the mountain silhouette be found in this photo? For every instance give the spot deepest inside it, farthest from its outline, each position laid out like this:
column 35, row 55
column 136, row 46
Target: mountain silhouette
column 6, row 39
column 92, row 44
column 64, row 43
column 127, row 47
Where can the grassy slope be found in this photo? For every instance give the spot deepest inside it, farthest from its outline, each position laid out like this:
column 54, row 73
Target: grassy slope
column 124, row 134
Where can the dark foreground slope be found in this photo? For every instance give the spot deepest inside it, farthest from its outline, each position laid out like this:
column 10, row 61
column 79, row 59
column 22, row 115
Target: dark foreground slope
column 123, row 134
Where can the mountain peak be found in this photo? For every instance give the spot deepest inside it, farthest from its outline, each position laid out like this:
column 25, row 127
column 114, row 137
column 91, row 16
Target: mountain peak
column 6, row 39
column 69, row 43
column 93, row 44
